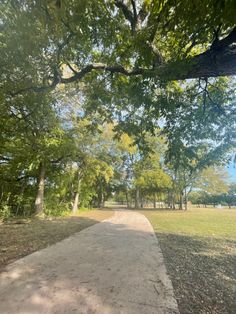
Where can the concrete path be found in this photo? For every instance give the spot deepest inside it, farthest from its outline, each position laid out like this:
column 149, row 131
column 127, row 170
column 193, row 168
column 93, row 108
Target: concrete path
column 112, row 267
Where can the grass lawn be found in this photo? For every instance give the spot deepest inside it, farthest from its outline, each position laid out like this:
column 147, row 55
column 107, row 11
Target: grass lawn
column 18, row 240
column 199, row 247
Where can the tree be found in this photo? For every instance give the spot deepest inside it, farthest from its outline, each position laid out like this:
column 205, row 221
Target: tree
column 160, row 39
column 32, row 141
column 230, row 197
column 213, row 180
column 120, row 59
column 129, row 154
column 211, row 185
column 143, row 45
column 150, row 178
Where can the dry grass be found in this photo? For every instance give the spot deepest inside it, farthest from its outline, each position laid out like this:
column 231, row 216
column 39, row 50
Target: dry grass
column 199, row 247
column 18, row 240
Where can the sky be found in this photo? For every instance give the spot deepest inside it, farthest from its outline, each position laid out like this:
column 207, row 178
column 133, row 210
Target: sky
column 231, row 168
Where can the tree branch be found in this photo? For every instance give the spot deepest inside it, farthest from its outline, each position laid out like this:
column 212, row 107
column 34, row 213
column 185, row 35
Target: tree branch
column 215, row 62
column 134, row 10
column 143, row 13
column 227, row 41
column 71, row 68
column 127, row 13
column 101, row 66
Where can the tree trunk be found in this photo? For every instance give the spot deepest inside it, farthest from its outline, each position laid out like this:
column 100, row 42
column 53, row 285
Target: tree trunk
column 137, row 198
column 102, row 200
column 76, row 194
column 127, row 198
column 185, row 200
column 168, row 200
column 173, row 204
column 40, row 191
column 173, row 199
column 181, row 201
column 141, row 202
column 75, row 203
column 154, row 201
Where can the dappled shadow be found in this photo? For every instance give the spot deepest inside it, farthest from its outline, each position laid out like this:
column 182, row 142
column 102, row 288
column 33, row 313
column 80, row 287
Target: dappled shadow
column 109, row 268
column 122, row 272
column 203, row 272
column 18, row 240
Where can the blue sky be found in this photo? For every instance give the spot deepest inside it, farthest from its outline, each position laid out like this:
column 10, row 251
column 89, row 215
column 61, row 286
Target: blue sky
column 231, row 168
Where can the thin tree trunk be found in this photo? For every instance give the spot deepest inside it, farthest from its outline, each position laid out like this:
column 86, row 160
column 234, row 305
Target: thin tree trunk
column 181, row 201
column 127, row 198
column 173, row 203
column 40, row 190
column 154, row 201
column 141, row 202
column 76, row 202
column 76, row 195
column 1, row 194
column 173, row 199
column 185, row 200
column 102, row 200
column 137, row 198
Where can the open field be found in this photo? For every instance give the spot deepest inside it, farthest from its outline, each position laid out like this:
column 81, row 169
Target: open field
column 18, row 240
column 199, row 247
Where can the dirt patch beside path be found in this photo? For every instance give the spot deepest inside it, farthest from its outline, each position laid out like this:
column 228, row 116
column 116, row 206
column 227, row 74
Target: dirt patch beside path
column 18, row 240
column 114, row 267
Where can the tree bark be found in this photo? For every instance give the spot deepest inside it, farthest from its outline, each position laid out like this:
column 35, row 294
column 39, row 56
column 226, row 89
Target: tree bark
column 127, row 198
column 76, row 195
column 137, row 205
column 218, row 60
column 211, row 63
column 185, row 200
column 154, row 201
column 141, row 202
column 75, row 203
column 181, row 201
column 39, row 201
column 102, row 200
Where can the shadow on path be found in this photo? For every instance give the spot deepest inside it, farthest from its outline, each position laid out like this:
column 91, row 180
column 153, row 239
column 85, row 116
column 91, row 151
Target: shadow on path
column 112, row 267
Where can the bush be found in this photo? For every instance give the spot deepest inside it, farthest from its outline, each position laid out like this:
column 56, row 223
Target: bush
column 5, row 212
column 55, row 209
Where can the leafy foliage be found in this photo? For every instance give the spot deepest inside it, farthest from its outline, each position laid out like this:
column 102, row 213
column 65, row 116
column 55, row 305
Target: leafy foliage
column 87, row 87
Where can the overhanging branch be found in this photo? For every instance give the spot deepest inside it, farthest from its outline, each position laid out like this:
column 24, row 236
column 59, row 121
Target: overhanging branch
column 218, row 61
column 104, row 67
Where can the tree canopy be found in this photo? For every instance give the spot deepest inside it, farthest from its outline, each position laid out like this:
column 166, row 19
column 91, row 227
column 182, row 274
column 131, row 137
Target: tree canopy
column 165, row 40
column 97, row 96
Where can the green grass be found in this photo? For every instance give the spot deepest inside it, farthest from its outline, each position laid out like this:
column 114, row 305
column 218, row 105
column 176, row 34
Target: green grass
column 199, row 248
column 209, row 222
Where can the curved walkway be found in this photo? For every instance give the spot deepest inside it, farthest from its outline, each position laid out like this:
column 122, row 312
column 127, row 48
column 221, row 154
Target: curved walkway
column 115, row 266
